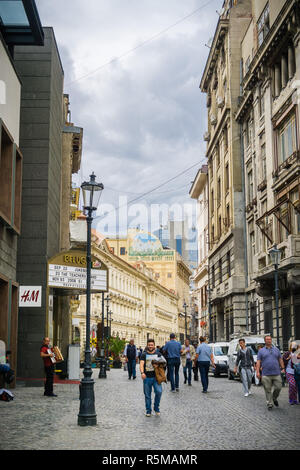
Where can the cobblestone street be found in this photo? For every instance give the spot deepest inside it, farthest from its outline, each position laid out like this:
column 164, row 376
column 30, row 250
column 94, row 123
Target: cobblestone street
column 190, row 420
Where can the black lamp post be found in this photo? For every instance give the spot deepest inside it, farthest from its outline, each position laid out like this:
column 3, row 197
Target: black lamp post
column 209, row 314
column 91, row 192
column 102, row 371
column 107, row 331
column 185, row 319
column 275, row 255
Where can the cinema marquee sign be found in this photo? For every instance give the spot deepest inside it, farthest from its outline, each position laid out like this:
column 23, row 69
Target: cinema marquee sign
column 68, row 271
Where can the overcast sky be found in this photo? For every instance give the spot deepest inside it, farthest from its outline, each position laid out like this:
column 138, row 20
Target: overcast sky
column 132, row 70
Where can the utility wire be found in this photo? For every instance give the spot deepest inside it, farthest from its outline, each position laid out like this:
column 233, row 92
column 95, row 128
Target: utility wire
column 147, row 41
column 151, row 191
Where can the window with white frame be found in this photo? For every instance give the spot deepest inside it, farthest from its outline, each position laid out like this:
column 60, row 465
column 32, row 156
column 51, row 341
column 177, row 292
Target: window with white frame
column 263, row 25
column 287, row 139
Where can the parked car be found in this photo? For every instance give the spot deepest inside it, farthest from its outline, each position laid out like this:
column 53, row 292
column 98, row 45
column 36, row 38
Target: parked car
column 219, row 351
column 252, row 342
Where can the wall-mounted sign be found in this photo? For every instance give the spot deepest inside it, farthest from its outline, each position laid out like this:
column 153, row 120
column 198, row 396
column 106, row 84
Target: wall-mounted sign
column 68, row 271
column 30, row 296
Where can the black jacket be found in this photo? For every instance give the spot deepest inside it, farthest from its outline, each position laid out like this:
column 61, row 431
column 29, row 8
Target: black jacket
column 245, row 360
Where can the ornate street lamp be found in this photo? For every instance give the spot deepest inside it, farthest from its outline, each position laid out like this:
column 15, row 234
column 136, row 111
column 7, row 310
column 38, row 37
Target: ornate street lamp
column 185, row 319
column 275, row 256
column 87, row 416
column 102, row 371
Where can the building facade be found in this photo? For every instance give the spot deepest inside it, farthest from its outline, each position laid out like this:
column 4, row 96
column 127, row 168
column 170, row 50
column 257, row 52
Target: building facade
column 167, row 266
column 11, row 162
column 141, row 307
column 226, row 256
column 199, row 192
column 268, row 116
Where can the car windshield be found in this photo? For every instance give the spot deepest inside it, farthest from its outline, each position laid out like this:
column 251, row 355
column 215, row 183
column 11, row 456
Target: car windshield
column 220, row 350
column 255, row 347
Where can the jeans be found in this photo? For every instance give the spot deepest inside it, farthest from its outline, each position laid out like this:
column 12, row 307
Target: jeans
column 203, row 369
column 188, row 367
column 173, row 366
column 268, row 382
column 49, row 371
column 246, row 376
column 150, row 382
column 131, row 368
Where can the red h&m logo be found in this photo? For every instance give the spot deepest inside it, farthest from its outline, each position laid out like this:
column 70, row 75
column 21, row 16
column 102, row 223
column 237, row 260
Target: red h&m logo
column 30, row 296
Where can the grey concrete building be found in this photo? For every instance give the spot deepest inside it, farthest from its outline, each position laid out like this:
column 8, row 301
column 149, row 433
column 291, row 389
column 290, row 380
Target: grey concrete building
column 42, row 77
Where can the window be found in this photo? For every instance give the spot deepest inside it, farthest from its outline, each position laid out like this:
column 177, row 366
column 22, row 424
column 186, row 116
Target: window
column 169, row 275
column 247, row 65
column 250, row 186
column 263, row 25
column 226, row 177
column 263, row 162
column 220, row 271
column 122, row 250
column 295, row 219
column 228, row 263
column 287, row 139
column 219, row 192
column 220, row 226
column 228, row 215
column 225, row 138
column 212, row 203
column 261, row 103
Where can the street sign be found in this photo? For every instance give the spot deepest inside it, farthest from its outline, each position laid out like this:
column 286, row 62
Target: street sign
column 67, row 270
column 30, row 296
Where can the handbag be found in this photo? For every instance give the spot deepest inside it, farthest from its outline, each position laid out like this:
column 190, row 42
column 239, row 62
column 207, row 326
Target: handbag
column 297, row 369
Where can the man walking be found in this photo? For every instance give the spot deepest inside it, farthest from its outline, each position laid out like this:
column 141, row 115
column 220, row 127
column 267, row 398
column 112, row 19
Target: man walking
column 203, row 358
column 245, row 362
column 187, row 357
column 131, row 357
column 149, row 380
column 48, row 367
column 173, row 349
column 270, row 360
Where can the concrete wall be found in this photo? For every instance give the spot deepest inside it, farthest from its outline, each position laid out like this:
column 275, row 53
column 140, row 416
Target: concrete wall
column 41, row 144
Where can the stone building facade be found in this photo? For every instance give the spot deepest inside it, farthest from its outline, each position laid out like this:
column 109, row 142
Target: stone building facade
column 268, row 116
column 199, row 192
column 226, row 256
column 140, row 306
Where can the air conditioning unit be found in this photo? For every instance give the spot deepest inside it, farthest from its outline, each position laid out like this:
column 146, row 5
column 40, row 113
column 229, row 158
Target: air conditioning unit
column 220, row 102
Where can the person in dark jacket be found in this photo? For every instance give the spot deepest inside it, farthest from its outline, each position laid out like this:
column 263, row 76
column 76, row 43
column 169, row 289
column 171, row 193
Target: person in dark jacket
column 131, row 357
column 245, row 362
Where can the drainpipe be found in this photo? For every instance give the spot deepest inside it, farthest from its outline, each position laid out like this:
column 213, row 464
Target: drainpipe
column 244, row 225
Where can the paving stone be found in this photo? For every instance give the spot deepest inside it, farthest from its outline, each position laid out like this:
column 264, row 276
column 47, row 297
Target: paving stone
column 190, row 420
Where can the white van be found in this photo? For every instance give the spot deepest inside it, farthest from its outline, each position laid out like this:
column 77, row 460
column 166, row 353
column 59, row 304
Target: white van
column 219, row 351
column 252, row 342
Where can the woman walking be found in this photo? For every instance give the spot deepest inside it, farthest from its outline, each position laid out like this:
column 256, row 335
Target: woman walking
column 290, row 374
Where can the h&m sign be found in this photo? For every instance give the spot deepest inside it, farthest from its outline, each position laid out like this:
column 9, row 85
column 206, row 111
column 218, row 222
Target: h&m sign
column 30, row 296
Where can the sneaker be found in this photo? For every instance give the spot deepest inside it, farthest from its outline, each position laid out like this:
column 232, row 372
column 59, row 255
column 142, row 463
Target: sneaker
column 246, row 395
column 177, row 389
column 250, row 393
column 50, row 395
column 276, row 403
column 270, row 407
column 157, row 413
column 134, row 378
column 190, row 385
column 148, row 415
column 173, row 391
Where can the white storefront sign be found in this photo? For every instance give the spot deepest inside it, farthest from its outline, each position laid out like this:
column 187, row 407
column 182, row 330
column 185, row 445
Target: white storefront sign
column 30, row 296
column 71, row 277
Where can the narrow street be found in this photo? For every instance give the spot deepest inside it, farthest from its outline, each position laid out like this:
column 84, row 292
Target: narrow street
column 221, row 420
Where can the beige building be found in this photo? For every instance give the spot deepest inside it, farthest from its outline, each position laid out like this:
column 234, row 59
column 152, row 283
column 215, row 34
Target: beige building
column 166, row 265
column 199, row 192
column 268, row 116
column 140, row 306
column 221, row 83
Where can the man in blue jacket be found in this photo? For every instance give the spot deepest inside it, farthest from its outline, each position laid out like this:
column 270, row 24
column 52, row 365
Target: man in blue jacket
column 173, row 349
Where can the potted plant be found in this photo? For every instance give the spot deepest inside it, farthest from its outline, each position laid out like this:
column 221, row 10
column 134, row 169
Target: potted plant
column 116, row 346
